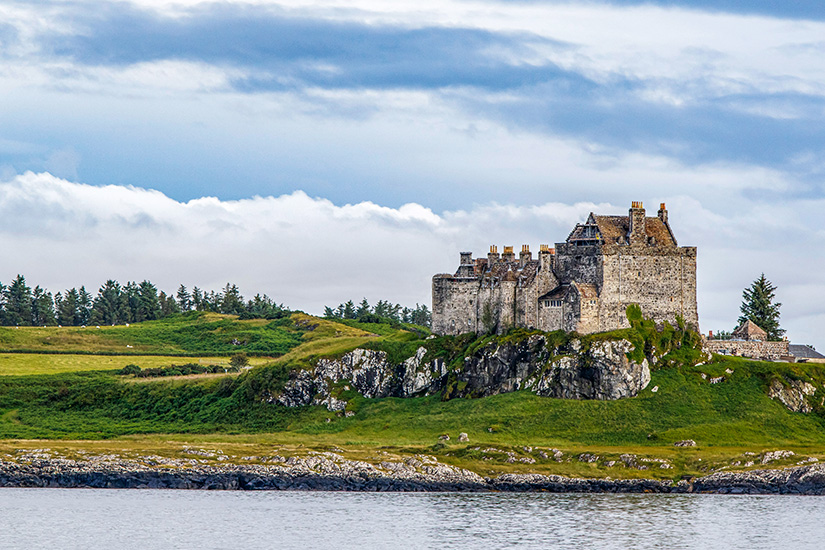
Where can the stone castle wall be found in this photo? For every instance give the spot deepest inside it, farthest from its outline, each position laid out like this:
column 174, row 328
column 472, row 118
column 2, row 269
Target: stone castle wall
column 662, row 281
column 585, row 284
column 747, row 348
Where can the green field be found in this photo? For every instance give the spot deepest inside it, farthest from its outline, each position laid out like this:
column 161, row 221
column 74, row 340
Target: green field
column 79, row 402
column 192, row 334
column 25, row 364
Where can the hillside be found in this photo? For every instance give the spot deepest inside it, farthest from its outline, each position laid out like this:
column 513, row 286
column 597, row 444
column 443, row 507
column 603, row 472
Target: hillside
column 53, row 386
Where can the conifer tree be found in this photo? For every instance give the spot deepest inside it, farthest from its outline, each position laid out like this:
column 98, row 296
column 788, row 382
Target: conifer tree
column 758, row 306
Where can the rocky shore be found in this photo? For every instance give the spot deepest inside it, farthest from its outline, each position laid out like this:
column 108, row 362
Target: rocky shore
column 328, row 471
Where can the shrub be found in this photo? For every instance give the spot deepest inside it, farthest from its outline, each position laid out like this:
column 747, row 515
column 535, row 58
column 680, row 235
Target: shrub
column 239, row 360
column 129, row 369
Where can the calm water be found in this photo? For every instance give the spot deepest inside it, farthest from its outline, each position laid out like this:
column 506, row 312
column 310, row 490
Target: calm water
column 88, row 518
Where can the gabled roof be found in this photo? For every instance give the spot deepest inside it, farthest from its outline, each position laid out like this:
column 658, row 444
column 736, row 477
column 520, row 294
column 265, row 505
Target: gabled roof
column 613, row 227
column 586, row 291
column 750, row 331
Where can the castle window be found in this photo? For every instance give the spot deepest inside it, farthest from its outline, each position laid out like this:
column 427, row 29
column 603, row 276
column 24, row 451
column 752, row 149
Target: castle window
column 555, row 303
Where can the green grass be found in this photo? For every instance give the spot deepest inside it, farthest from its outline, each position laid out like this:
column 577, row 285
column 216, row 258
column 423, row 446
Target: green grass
column 24, row 364
column 78, row 400
column 192, row 334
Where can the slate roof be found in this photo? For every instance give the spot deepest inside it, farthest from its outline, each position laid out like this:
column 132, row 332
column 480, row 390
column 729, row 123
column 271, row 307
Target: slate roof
column 613, row 227
column 804, row 352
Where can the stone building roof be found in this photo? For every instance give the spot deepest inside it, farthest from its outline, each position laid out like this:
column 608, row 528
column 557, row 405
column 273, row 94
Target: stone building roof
column 614, row 227
column 750, row 331
column 587, row 291
column 804, row 352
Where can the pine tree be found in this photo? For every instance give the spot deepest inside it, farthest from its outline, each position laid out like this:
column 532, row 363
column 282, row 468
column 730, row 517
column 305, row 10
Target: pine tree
column 232, row 301
column 42, row 307
column 18, row 298
column 84, row 307
column 758, row 307
column 110, row 306
column 67, row 308
column 197, row 299
column 363, row 308
column 184, row 299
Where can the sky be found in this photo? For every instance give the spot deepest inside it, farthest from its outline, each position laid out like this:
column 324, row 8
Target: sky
column 324, row 150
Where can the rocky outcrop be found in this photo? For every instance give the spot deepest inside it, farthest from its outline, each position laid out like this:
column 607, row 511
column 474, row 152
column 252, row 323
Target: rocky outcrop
column 317, row 471
column 792, row 395
column 601, row 371
column 332, row 472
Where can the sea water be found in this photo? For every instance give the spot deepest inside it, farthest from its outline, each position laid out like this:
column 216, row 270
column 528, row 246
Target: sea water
column 149, row 519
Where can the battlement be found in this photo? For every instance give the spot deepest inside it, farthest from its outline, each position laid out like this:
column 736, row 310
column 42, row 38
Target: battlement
column 584, row 283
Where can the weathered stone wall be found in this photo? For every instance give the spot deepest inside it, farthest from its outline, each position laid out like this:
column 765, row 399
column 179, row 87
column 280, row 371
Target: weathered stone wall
column 455, row 304
column 661, row 280
column 744, row 348
column 582, row 264
column 650, row 271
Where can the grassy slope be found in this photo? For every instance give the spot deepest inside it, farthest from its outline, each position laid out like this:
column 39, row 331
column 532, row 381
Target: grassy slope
column 189, row 335
column 726, row 419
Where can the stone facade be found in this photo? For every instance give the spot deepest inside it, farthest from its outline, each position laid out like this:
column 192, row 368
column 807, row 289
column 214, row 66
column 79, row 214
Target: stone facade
column 753, row 349
column 583, row 284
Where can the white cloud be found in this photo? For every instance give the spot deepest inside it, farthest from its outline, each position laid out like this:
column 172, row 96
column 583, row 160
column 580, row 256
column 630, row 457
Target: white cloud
column 309, row 252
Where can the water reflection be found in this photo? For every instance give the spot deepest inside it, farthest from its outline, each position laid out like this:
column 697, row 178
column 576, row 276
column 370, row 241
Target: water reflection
column 80, row 518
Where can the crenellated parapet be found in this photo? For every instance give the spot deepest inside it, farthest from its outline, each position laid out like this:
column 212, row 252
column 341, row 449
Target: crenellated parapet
column 584, row 283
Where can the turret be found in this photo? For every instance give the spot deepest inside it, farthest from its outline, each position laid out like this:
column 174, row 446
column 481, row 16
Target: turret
column 466, row 267
column 637, row 234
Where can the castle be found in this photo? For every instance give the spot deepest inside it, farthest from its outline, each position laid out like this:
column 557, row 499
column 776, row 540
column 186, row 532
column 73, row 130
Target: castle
column 583, row 284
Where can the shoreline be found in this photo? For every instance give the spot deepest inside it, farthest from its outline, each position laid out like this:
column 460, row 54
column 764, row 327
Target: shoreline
column 422, row 473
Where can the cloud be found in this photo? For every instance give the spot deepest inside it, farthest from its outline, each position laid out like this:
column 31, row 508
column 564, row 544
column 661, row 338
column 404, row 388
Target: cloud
column 648, row 79
column 309, row 252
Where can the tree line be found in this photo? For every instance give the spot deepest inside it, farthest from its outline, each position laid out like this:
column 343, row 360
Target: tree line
column 116, row 304
column 380, row 312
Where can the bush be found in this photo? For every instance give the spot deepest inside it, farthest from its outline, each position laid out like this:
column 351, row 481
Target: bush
column 129, row 369
column 239, row 360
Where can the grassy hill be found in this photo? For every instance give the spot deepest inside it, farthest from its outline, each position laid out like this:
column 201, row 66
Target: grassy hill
column 80, row 402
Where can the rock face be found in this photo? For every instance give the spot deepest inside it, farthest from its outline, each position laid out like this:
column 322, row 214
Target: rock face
column 792, row 395
column 332, row 472
column 601, row 372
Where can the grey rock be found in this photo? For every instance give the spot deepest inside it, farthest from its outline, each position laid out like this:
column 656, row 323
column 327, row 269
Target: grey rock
column 793, row 395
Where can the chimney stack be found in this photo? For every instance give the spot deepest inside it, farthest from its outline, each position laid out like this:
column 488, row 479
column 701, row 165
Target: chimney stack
column 663, row 213
column 492, row 256
column 525, row 255
column 637, row 233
